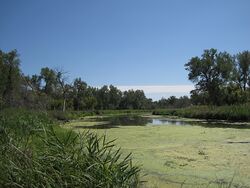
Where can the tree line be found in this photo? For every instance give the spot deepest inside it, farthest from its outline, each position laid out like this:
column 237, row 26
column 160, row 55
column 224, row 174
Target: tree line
column 220, row 78
column 51, row 90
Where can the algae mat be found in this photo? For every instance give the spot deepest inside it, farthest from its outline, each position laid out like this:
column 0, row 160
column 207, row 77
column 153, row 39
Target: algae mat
column 187, row 156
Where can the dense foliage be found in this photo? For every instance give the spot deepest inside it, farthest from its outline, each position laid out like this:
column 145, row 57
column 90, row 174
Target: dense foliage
column 231, row 113
column 220, row 78
column 36, row 153
column 50, row 90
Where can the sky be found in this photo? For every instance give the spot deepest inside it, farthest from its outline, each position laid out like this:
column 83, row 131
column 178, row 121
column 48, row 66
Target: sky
column 127, row 43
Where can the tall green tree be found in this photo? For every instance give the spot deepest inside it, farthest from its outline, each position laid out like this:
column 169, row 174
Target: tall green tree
column 243, row 69
column 49, row 79
column 79, row 93
column 90, row 101
column 210, row 73
column 9, row 77
column 103, row 97
column 115, row 96
column 133, row 99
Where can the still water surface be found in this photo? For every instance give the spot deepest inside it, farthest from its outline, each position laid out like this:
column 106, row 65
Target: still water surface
column 130, row 120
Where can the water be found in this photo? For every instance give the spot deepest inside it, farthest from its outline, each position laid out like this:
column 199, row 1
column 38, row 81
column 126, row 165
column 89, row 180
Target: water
column 117, row 121
column 157, row 121
column 130, row 120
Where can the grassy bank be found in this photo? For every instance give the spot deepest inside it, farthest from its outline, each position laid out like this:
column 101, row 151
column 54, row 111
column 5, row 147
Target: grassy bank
column 36, row 152
column 231, row 113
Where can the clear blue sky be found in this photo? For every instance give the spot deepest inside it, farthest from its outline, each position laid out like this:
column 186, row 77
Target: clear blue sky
column 122, row 42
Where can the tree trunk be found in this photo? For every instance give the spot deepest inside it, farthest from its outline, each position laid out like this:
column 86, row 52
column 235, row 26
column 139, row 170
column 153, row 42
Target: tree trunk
column 64, row 104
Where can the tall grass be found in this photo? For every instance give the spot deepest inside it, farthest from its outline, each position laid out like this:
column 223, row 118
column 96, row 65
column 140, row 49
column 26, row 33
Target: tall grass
column 36, row 153
column 232, row 113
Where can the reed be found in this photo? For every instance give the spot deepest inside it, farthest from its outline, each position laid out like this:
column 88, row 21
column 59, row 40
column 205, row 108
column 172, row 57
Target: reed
column 34, row 152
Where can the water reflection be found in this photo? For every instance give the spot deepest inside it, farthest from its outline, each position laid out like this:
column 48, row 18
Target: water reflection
column 155, row 121
column 118, row 121
column 127, row 120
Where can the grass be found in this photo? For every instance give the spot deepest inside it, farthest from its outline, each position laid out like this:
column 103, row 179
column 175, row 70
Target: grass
column 34, row 152
column 186, row 156
column 231, row 113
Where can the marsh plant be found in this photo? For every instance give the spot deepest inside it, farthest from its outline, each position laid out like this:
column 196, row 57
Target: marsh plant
column 49, row 156
column 229, row 112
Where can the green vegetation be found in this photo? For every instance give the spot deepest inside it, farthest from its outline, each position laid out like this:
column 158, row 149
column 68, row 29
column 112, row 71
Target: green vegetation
column 185, row 156
column 231, row 113
column 50, row 90
column 34, row 152
column 72, row 115
column 220, row 78
column 222, row 88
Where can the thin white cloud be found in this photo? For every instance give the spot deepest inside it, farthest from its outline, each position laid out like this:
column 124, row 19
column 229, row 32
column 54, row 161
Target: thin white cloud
column 157, row 92
column 160, row 89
